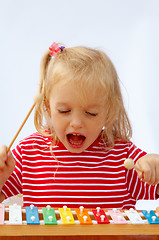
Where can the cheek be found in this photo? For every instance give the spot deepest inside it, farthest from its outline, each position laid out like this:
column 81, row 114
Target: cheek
column 57, row 123
column 95, row 128
column 100, row 123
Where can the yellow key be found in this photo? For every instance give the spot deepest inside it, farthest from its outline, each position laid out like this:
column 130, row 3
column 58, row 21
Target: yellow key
column 66, row 215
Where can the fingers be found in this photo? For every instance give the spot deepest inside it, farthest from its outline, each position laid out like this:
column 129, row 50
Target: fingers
column 6, row 159
column 3, row 156
column 150, row 169
column 10, row 161
column 157, row 175
column 140, row 174
column 147, row 175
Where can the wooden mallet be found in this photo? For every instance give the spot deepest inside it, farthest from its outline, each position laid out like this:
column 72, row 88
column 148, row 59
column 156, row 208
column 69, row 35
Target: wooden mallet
column 129, row 164
column 37, row 98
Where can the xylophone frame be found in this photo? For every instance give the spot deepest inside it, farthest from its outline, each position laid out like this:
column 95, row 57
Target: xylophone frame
column 92, row 232
column 81, row 232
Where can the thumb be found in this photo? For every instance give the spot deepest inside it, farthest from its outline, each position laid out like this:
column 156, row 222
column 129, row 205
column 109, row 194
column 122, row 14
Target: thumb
column 10, row 161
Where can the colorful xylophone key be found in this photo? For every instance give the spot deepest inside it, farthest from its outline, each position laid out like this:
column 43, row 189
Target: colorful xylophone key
column 117, row 216
column 2, row 209
column 83, row 216
column 66, row 215
column 134, row 217
column 151, row 216
column 15, row 215
column 49, row 216
column 100, row 216
column 32, row 215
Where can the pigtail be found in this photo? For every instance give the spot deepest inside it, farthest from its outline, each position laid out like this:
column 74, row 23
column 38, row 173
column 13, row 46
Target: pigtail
column 43, row 69
column 41, row 107
column 42, row 120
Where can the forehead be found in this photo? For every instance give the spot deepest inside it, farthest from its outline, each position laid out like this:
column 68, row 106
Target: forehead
column 86, row 77
column 72, row 93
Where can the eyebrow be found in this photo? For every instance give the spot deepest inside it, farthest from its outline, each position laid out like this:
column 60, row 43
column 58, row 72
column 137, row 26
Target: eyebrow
column 59, row 104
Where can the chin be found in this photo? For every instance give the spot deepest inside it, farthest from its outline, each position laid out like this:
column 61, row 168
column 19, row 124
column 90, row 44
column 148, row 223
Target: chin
column 74, row 150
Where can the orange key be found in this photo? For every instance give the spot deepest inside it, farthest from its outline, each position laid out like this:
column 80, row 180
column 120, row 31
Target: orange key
column 83, row 216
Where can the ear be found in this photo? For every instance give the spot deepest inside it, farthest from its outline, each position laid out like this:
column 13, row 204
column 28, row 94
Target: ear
column 47, row 117
column 47, row 107
column 49, row 111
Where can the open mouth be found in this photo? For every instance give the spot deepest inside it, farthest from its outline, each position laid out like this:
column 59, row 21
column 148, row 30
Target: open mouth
column 75, row 140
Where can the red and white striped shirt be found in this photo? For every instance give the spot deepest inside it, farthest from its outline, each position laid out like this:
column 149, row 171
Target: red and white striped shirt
column 95, row 177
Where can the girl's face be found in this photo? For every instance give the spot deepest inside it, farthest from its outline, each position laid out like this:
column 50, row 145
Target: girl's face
column 76, row 122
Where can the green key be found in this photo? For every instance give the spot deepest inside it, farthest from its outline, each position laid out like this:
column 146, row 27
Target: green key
column 49, row 216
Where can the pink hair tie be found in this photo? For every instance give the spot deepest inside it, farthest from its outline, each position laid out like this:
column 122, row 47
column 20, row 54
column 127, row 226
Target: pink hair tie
column 55, row 49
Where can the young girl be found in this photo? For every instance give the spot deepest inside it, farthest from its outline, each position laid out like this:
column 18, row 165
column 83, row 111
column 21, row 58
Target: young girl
column 77, row 156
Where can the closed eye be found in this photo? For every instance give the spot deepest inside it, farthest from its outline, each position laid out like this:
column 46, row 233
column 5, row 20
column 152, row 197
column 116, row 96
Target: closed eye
column 92, row 114
column 64, row 111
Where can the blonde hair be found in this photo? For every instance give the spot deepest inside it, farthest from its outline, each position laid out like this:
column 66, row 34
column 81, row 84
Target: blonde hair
column 87, row 68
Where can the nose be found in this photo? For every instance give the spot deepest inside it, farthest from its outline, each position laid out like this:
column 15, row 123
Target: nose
column 76, row 121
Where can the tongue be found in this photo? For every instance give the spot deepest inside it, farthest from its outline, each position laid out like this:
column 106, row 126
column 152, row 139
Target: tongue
column 76, row 139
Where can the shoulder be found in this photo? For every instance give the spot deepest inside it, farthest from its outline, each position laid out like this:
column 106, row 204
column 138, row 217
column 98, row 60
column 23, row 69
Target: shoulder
column 34, row 140
column 120, row 148
column 31, row 146
column 122, row 145
column 132, row 150
column 118, row 145
column 35, row 137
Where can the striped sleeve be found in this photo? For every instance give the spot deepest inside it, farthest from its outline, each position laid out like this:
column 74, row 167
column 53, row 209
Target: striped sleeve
column 13, row 185
column 136, row 187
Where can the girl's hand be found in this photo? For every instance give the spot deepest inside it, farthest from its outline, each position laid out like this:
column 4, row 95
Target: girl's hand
column 149, row 164
column 7, row 165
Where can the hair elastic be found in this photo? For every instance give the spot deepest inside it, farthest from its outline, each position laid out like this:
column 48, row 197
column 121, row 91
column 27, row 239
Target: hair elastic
column 55, row 49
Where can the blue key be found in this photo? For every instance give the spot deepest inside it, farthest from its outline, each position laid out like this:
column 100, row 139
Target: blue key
column 32, row 215
column 151, row 216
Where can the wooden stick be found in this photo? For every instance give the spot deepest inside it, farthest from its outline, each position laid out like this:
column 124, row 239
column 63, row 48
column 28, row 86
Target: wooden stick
column 31, row 109
column 38, row 97
column 129, row 164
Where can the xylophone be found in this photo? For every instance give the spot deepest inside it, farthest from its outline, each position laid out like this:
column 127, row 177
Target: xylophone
column 40, row 223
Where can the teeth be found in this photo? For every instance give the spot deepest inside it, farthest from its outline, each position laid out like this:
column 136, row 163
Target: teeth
column 75, row 138
column 74, row 143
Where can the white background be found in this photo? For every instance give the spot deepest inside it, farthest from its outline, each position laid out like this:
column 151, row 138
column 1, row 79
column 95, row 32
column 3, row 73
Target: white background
column 127, row 30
